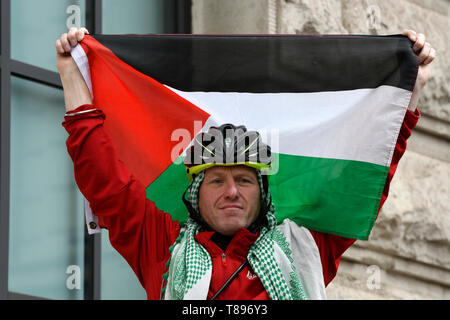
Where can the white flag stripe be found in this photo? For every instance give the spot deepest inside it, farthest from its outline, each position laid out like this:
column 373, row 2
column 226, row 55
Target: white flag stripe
column 82, row 62
column 360, row 124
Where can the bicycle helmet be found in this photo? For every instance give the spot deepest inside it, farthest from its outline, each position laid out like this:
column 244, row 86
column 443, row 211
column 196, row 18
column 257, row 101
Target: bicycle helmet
column 227, row 145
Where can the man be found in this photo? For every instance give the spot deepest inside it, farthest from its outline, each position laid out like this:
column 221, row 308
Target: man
column 231, row 246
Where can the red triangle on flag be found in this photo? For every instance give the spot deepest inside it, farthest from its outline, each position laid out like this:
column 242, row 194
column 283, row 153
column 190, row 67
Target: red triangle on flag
column 141, row 113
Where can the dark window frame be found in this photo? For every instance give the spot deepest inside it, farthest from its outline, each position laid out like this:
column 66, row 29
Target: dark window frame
column 177, row 19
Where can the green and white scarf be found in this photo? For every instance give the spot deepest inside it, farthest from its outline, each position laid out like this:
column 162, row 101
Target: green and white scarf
column 190, row 265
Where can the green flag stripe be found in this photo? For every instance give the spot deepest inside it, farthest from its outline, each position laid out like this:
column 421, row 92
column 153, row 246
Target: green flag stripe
column 329, row 195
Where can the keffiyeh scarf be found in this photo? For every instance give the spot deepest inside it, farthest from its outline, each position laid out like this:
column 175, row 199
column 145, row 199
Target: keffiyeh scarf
column 190, row 265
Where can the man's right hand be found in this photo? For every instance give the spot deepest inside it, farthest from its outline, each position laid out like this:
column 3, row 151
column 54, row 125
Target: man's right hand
column 76, row 93
column 64, row 46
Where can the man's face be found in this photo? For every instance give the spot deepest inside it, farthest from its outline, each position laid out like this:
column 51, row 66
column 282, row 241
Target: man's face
column 229, row 198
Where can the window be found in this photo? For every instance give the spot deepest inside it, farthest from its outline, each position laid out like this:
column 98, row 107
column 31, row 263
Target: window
column 45, row 251
column 46, row 208
column 132, row 16
column 35, row 25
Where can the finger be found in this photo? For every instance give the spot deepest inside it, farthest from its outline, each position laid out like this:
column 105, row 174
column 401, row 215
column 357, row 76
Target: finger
column 411, row 34
column 65, row 43
column 72, row 36
column 424, row 53
column 80, row 33
column 59, row 47
column 430, row 57
column 420, row 42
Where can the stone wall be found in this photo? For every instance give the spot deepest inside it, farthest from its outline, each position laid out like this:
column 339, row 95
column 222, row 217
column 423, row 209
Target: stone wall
column 408, row 253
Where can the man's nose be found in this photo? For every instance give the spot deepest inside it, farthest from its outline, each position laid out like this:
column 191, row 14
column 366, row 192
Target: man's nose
column 232, row 191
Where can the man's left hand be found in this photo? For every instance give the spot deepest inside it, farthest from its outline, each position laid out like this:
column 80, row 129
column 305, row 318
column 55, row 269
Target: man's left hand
column 426, row 54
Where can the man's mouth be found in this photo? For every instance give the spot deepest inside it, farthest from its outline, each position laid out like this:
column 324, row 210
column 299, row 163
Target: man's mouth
column 231, row 206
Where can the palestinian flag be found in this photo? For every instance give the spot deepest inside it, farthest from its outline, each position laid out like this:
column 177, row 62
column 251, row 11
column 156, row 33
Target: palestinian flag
column 331, row 108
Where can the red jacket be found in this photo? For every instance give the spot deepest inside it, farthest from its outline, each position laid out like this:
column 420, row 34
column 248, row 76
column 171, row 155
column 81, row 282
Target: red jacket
column 142, row 233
